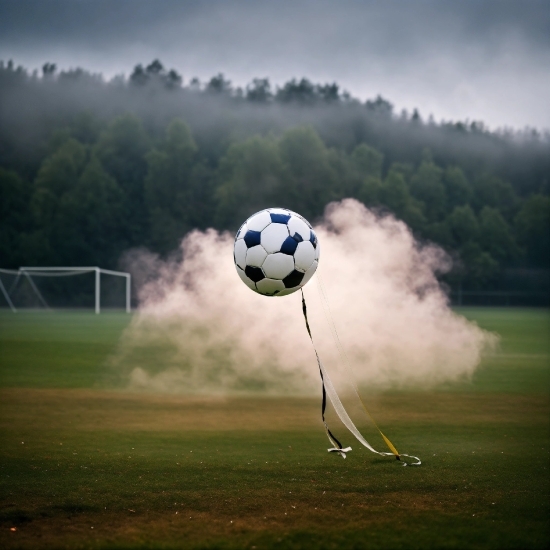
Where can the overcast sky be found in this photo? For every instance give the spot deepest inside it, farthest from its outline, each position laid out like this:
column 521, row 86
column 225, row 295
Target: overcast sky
column 461, row 59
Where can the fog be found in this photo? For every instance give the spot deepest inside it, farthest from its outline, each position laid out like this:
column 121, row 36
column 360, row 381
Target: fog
column 199, row 329
column 455, row 60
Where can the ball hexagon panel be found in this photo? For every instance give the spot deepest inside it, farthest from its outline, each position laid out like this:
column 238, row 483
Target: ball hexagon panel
column 255, row 256
column 304, row 256
column 241, row 232
column 309, row 273
column 278, row 266
column 296, row 226
column 273, row 236
column 240, row 253
column 287, row 291
column 258, row 221
column 270, row 287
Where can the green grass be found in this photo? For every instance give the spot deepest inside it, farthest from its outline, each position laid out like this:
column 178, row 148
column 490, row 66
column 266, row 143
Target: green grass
column 156, row 471
column 521, row 361
column 42, row 349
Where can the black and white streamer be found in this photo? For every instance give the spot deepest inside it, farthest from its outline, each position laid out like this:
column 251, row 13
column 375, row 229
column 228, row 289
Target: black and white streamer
column 328, row 389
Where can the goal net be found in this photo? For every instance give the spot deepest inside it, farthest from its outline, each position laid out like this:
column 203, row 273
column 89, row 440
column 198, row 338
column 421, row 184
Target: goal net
column 65, row 287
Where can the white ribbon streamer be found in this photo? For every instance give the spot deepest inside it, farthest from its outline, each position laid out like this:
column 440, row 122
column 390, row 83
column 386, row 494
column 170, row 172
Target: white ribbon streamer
column 347, row 421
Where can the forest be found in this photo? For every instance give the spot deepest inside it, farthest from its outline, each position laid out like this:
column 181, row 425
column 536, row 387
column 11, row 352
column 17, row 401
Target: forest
column 91, row 168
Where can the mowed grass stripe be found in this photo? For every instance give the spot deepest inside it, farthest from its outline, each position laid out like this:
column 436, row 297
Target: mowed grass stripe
column 42, row 349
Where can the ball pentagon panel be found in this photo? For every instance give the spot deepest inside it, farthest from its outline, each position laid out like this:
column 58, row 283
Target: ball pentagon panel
column 250, row 284
column 254, row 273
column 313, row 239
column 252, row 238
column 293, row 279
column 280, row 218
column 282, row 211
column 289, row 246
column 276, row 252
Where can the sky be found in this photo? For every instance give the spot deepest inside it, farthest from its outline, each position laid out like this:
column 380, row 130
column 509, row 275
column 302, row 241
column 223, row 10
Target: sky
column 485, row 60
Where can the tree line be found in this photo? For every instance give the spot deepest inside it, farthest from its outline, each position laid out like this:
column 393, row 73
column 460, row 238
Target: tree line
column 90, row 168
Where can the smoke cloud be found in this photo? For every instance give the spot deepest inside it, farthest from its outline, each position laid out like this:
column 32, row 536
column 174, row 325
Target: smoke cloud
column 199, row 329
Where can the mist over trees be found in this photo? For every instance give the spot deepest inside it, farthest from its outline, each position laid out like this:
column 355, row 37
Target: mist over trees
column 91, row 168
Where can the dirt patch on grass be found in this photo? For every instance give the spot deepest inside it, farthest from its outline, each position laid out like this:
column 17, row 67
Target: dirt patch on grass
column 243, row 519
column 90, row 409
column 463, row 408
column 137, row 411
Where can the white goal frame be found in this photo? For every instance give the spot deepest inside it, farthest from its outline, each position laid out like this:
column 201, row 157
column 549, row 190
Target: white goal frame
column 65, row 272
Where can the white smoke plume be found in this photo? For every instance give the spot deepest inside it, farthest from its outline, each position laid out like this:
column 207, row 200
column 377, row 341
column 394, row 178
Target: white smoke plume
column 199, row 329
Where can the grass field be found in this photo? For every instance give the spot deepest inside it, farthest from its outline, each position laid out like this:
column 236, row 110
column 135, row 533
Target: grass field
column 83, row 465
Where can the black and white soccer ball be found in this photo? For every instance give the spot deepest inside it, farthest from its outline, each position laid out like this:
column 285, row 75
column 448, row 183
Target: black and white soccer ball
column 276, row 252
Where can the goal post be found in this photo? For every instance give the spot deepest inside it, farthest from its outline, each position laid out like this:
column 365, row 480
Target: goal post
column 6, row 295
column 98, row 272
column 29, row 271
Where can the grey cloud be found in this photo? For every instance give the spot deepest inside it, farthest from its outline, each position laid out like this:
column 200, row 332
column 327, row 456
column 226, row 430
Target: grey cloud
column 468, row 59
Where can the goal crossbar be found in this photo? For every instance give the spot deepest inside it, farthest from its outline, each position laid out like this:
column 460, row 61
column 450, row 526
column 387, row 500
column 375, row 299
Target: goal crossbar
column 28, row 271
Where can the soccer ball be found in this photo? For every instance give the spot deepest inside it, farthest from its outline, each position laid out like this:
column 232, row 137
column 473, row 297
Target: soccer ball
column 276, row 252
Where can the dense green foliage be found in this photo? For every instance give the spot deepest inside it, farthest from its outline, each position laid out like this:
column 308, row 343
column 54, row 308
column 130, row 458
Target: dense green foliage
column 82, row 467
column 91, row 168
